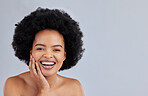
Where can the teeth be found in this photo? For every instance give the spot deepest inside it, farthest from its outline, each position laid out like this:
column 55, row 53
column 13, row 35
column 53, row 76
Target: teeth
column 48, row 63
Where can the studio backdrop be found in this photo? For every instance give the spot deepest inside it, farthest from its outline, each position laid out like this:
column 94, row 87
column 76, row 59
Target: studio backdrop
column 115, row 61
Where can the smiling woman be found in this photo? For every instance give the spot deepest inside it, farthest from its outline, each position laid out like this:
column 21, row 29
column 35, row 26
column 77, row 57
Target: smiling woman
column 49, row 52
column 48, row 41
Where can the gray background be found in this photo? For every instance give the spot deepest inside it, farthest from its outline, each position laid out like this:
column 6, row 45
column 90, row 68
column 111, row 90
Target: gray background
column 115, row 61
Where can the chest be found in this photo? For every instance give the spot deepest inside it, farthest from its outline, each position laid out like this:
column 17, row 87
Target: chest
column 63, row 91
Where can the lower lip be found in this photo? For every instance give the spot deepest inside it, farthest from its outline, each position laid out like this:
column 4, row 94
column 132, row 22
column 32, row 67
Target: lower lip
column 47, row 67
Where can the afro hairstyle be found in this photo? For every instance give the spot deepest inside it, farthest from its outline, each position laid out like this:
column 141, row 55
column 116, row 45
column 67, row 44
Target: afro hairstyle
column 52, row 19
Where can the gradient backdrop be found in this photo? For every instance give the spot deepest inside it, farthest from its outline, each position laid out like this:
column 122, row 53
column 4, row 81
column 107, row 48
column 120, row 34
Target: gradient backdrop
column 115, row 62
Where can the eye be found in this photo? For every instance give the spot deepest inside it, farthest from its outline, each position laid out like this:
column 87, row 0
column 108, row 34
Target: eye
column 57, row 50
column 39, row 49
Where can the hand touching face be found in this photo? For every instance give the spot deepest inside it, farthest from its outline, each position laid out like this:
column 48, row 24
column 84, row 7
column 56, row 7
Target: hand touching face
column 49, row 51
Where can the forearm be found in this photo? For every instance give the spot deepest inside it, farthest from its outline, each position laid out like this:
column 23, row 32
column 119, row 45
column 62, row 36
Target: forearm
column 43, row 93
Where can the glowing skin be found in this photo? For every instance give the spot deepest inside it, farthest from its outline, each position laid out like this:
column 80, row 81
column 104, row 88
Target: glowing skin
column 48, row 47
column 48, row 54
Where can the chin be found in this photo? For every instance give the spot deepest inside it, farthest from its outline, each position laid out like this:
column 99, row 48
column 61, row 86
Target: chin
column 49, row 70
column 48, row 73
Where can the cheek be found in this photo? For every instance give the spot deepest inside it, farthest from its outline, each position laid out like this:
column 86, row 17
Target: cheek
column 36, row 55
column 61, row 57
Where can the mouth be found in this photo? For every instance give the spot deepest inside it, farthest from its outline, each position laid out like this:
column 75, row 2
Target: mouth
column 47, row 64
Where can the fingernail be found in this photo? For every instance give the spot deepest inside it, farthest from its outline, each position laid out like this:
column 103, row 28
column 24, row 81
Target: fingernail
column 30, row 57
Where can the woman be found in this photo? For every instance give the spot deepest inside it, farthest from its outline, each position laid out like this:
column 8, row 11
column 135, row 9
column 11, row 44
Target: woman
column 48, row 41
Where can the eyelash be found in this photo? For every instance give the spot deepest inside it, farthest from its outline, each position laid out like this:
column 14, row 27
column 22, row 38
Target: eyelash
column 57, row 50
column 39, row 49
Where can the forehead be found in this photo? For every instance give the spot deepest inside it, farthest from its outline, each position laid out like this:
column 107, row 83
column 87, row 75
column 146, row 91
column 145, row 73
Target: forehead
column 49, row 37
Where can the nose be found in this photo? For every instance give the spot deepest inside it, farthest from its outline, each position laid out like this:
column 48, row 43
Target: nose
column 48, row 55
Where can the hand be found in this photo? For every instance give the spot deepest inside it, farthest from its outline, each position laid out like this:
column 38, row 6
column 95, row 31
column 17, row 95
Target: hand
column 37, row 76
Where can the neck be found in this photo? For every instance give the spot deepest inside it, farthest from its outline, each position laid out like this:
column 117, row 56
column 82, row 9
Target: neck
column 52, row 80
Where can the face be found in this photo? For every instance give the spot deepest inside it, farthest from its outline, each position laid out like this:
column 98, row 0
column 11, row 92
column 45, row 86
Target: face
column 48, row 51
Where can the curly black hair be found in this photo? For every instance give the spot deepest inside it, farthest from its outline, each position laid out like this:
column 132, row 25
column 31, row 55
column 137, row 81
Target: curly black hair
column 52, row 19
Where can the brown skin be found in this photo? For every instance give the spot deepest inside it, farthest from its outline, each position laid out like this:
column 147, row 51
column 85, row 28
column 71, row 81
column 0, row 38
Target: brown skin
column 48, row 45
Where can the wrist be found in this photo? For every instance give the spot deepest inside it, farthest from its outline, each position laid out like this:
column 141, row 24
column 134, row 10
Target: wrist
column 43, row 92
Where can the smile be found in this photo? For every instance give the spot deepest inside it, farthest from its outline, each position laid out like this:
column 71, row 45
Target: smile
column 47, row 64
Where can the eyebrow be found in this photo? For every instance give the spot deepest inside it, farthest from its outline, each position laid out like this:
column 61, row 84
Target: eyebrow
column 40, row 45
column 51, row 46
column 57, row 46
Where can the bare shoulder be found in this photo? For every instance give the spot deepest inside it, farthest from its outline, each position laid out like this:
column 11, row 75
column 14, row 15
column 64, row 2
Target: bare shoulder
column 73, row 82
column 74, row 86
column 13, row 86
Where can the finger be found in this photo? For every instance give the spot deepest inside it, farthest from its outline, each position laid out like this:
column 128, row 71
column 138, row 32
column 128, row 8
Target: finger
column 39, row 71
column 33, row 66
column 38, row 68
column 30, row 63
column 30, row 68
